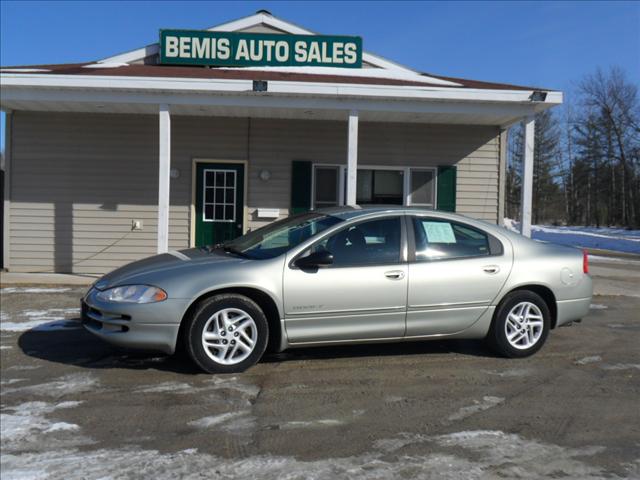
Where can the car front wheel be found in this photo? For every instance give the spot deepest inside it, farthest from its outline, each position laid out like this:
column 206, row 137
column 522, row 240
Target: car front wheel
column 227, row 333
column 521, row 325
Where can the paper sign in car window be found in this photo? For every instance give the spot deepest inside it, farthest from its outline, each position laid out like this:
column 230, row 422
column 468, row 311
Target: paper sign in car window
column 439, row 232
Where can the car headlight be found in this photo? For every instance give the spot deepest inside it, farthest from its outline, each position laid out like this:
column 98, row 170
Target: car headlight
column 133, row 294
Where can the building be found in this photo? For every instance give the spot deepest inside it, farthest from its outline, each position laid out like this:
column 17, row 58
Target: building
column 207, row 134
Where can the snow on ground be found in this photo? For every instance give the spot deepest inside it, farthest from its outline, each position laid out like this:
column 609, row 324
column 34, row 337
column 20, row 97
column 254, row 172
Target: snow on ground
column 26, row 427
column 65, row 385
column 478, row 406
column 604, row 238
column 478, row 454
column 41, row 320
column 7, row 290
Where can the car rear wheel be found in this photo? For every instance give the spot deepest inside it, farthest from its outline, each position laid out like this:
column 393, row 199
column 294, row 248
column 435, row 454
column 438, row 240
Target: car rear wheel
column 227, row 333
column 521, row 325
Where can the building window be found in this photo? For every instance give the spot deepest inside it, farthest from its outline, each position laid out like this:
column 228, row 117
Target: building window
column 219, row 195
column 326, row 187
column 422, row 187
column 379, row 187
column 376, row 186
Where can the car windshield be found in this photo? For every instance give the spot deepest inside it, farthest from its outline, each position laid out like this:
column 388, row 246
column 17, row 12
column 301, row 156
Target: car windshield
column 281, row 236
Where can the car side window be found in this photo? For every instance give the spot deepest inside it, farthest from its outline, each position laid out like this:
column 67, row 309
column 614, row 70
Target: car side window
column 368, row 243
column 438, row 239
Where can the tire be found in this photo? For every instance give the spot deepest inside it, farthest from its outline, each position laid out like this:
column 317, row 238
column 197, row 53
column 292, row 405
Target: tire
column 527, row 337
column 231, row 318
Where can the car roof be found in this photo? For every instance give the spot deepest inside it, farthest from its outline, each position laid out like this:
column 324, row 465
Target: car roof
column 348, row 213
column 351, row 212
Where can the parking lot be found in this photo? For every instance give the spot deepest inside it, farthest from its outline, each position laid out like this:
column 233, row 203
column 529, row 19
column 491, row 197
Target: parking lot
column 74, row 407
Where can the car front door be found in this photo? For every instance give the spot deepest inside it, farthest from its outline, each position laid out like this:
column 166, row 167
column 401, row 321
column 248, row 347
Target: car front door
column 455, row 271
column 362, row 295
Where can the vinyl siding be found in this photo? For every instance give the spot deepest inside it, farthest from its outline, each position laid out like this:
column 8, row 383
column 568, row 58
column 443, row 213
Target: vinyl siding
column 78, row 180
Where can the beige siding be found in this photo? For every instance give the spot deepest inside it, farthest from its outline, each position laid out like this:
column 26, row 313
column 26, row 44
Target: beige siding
column 78, row 180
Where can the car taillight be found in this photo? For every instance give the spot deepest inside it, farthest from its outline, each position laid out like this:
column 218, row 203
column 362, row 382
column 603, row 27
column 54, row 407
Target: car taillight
column 585, row 261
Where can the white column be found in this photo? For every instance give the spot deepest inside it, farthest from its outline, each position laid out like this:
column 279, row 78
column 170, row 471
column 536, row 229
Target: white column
column 164, row 178
column 8, row 140
column 352, row 159
column 526, row 199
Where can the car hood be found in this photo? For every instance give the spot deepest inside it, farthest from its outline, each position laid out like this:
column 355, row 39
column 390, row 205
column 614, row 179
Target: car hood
column 164, row 264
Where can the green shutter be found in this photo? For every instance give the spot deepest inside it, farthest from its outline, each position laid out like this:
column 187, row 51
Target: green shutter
column 447, row 189
column 300, row 186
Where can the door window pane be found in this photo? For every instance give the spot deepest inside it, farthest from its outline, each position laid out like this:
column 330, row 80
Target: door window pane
column 441, row 240
column 422, row 191
column 219, row 188
column 369, row 243
column 326, row 187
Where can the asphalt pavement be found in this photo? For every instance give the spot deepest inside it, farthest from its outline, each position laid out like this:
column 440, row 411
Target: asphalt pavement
column 75, row 407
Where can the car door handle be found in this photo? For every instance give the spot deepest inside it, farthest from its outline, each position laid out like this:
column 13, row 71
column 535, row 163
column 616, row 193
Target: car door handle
column 394, row 274
column 491, row 269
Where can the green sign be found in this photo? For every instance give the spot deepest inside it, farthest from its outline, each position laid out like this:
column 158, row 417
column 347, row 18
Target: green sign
column 202, row 47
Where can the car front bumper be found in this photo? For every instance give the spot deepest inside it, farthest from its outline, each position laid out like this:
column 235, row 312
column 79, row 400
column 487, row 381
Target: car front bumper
column 151, row 326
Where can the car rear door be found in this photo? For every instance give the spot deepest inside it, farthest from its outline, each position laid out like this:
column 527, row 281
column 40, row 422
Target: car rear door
column 362, row 295
column 455, row 272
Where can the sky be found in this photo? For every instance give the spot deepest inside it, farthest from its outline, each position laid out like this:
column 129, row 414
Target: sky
column 545, row 44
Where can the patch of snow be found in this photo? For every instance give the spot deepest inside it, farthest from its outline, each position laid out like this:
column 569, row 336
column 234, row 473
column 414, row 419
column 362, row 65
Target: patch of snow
column 43, row 320
column 23, row 367
column 12, row 381
column 597, row 306
column 67, row 385
column 604, row 238
column 106, row 65
column 33, row 290
column 588, row 360
column 622, row 366
column 24, row 70
column 479, row 454
column 25, row 427
column 214, row 420
column 175, row 387
column 324, row 422
column 486, row 403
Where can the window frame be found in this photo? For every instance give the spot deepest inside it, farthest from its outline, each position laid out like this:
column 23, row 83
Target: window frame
column 406, row 182
column 339, row 187
column 496, row 248
column 404, row 245
column 224, row 188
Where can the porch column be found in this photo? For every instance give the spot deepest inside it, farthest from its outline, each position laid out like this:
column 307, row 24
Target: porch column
column 352, row 159
column 164, row 178
column 527, row 176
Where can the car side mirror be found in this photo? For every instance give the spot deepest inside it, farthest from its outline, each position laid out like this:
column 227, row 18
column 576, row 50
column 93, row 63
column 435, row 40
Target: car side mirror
column 323, row 258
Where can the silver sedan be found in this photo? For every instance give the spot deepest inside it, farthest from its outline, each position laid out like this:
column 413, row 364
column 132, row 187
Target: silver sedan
column 343, row 275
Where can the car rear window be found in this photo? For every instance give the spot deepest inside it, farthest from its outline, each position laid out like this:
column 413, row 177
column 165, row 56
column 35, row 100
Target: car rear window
column 438, row 239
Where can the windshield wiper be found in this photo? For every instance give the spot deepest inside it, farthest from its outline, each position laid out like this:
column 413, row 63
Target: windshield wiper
column 234, row 251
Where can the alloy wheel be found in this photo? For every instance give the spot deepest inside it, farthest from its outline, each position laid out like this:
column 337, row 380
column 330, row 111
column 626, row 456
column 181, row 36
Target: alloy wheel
column 524, row 325
column 229, row 336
